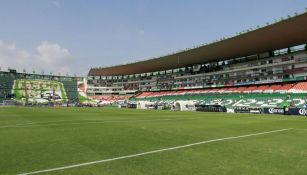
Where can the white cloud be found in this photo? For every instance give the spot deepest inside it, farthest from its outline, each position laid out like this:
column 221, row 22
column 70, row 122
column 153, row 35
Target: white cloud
column 47, row 57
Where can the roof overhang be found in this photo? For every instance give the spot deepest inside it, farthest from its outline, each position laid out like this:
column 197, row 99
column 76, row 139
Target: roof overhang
column 286, row 33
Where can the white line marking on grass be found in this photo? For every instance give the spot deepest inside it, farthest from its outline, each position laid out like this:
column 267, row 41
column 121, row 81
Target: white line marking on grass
column 151, row 152
column 55, row 123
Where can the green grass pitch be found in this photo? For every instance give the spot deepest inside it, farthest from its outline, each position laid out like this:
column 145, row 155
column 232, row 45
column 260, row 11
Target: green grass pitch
column 34, row 139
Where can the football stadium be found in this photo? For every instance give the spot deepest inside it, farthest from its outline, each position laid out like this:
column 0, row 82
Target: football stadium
column 237, row 105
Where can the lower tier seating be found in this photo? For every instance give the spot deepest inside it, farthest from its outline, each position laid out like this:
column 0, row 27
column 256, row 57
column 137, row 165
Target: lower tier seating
column 238, row 99
column 293, row 95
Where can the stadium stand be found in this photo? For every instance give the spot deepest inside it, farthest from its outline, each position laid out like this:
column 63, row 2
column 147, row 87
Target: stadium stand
column 233, row 100
column 35, row 88
column 253, row 69
column 252, row 96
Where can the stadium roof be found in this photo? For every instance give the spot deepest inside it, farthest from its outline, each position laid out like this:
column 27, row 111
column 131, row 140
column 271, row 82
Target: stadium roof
column 288, row 32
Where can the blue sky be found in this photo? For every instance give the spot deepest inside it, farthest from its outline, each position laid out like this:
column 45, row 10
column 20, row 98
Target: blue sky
column 74, row 35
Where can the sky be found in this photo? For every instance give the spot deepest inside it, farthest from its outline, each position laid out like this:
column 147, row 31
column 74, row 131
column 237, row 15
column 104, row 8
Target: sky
column 71, row 36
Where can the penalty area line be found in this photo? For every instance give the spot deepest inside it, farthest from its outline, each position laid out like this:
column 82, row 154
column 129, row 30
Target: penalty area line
column 152, row 152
